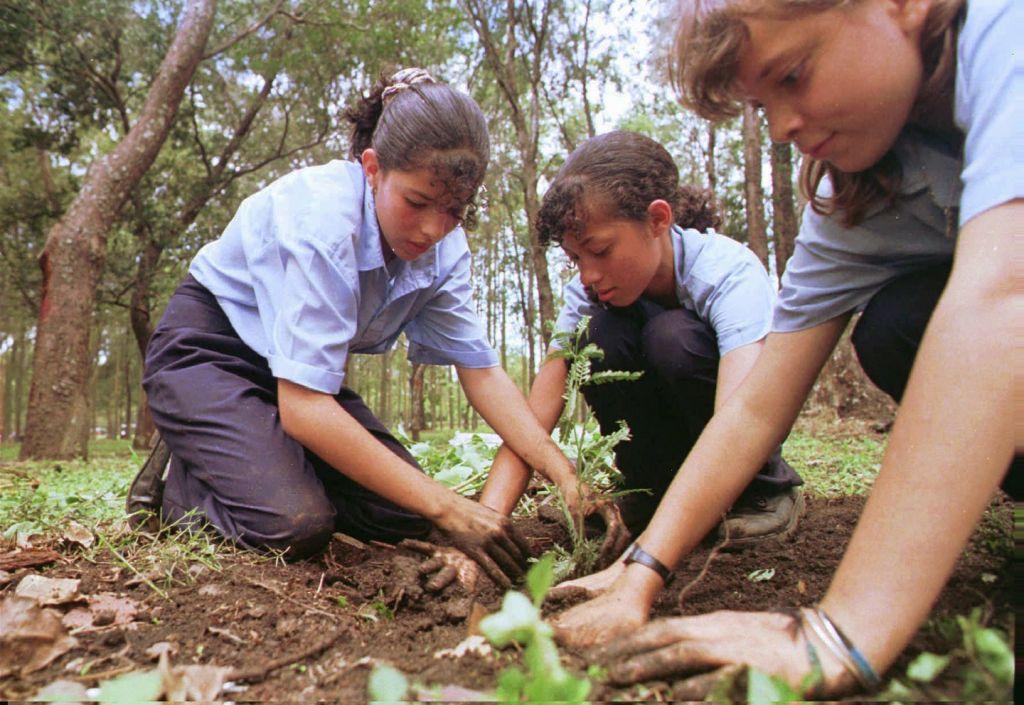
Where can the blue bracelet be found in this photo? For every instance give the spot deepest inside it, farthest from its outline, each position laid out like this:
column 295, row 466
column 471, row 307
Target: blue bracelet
column 867, row 674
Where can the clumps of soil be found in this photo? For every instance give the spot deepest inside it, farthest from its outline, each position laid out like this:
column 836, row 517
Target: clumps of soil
column 312, row 630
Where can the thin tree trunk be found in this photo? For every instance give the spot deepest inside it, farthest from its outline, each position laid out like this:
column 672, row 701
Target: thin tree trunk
column 417, row 422
column 76, row 248
column 709, row 158
column 757, row 232
column 783, row 205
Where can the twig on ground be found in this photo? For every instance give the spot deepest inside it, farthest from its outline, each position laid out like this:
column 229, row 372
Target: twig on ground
column 292, row 600
column 707, row 564
column 257, row 674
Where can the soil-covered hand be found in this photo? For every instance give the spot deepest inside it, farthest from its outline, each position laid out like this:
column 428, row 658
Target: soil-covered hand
column 582, row 502
column 613, row 614
column 487, row 537
column 589, row 586
column 768, row 641
column 445, row 566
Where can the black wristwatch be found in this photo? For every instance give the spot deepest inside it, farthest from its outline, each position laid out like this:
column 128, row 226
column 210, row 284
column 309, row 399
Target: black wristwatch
column 635, row 554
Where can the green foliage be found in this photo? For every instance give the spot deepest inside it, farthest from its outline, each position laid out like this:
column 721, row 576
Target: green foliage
column 461, row 464
column 980, row 661
column 134, row 687
column 591, row 451
column 835, row 466
column 519, row 621
column 387, row 684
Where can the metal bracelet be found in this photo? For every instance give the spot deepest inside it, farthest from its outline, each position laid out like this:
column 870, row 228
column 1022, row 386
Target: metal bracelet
column 835, row 647
column 864, row 672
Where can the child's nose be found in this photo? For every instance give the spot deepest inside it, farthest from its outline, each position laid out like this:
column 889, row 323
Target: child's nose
column 437, row 224
column 784, row 121
column 588, row 274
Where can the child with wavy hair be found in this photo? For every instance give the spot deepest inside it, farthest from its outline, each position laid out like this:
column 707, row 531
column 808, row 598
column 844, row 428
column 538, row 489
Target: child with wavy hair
column 245, row 373
column 666, row 296
column 909, row 114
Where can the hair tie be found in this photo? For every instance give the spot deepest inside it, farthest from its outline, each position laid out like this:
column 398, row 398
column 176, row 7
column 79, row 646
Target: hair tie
column 401, row 80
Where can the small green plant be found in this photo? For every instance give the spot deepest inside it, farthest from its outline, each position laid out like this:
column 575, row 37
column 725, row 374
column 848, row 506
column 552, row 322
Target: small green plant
column 583, row 442
column 519, row 621
column 387, row 685
column 981, row 664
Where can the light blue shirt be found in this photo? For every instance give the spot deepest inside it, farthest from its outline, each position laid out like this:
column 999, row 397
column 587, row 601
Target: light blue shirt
column 835, row 269
column 716, row 277
column 300, row 274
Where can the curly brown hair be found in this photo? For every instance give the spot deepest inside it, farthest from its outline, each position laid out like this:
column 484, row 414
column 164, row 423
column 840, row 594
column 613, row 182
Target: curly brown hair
column 618, row 175
column 708, row 41
column 425, row 125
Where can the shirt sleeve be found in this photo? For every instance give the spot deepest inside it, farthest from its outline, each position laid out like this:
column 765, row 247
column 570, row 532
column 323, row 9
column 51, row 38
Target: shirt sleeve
column 447, row 331
column 739, row 307
column 577, row 305
column 305, row 279
column 990, row 105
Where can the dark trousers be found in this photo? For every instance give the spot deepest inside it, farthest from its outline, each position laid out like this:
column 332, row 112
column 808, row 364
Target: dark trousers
column 214, row 401
column 668, row 407
column 889, row 332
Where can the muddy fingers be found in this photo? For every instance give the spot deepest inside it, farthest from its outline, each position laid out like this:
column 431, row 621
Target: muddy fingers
column 445, row 576
column 666, row 661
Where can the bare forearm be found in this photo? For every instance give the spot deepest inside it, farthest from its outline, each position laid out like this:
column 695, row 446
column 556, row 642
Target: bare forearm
column 736, row 442
column 319, row 423
column 509, row 474
column 950, row 446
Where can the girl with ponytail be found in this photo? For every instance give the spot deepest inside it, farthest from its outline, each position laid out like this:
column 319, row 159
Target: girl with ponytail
column 245, row 374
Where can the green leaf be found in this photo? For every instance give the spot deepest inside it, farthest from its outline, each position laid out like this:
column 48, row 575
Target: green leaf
column 760, row 576
column 762, row 688
column 518, row 620
column 134, row 687
column 540, row 578
column 994, row 654
column 453, row 476
column 387, row 685
column 511, row 682
column 926, row 667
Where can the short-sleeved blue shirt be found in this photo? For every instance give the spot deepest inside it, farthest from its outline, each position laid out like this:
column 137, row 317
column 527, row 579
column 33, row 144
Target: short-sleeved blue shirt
column 300, row 273
column 716, row 277
column 835, row 269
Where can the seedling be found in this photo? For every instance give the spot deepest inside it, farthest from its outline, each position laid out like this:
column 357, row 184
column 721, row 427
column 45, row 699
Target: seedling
column 592, row 452
column 519, row 622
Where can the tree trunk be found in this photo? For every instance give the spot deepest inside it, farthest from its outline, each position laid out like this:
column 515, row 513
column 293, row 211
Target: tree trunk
column 757, row 235
column 75, row 251
column 783, row 205
column 709, row 158
column 417, row 421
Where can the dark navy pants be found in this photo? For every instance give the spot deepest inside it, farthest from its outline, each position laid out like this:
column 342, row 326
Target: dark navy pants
column 214, row 401
column 668, row 407
column 889, row 333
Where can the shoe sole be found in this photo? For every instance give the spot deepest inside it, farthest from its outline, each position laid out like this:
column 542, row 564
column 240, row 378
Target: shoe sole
column 799, row 509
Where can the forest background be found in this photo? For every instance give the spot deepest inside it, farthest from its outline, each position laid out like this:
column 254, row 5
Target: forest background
column 131, row 131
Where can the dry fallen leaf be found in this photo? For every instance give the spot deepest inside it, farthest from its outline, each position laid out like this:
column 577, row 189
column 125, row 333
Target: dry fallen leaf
column 63, row 692
column 191, row 683
column 78, row 618
column 161, row 647
column 48, row 591
column 75, row 533
column 109, row 608
column 27, row 558
column 30, row 637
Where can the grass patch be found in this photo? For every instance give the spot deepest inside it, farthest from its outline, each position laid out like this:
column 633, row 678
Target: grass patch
column 834, row 466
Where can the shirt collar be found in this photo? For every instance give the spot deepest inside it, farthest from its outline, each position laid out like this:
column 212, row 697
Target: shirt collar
column 928, row 162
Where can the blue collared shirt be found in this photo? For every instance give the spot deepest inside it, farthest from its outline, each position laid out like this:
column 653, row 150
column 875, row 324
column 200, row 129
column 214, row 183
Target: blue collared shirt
column 716, row 277
column 300, row 273
column 835, row 269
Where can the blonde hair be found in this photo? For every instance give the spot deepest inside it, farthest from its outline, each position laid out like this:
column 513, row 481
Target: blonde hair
column 705, row 55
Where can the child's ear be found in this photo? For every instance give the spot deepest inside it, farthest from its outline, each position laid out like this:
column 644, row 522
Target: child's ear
column 910, row 15
column 660, row 216
column 371, row 166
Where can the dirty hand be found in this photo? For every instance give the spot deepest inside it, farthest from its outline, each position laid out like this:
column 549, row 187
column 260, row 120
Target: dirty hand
column 589, row 586
column 445, row 566
column 487, row 537
column 771, row 642
column 613, row 614
column 582, row 502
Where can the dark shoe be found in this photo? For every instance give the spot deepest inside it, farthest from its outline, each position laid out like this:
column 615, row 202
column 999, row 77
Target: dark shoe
column 147, row 490
column 762, row 517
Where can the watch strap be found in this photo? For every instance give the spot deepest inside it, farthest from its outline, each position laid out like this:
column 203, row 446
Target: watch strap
column 639, row 555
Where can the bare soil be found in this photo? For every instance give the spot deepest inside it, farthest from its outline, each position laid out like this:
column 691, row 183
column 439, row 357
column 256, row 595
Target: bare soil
column 305, row 630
